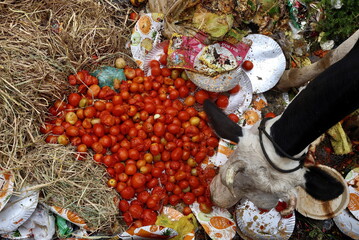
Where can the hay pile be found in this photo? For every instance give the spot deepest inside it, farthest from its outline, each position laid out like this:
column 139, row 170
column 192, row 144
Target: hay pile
column 41, row 43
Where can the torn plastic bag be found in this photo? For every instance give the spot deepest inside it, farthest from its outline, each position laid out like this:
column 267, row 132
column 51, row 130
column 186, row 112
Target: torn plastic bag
column 107, row 75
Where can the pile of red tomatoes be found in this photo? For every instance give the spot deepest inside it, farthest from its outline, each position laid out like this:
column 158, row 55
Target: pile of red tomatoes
column 147, row 133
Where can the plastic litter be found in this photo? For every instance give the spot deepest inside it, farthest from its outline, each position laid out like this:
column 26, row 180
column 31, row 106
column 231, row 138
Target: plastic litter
column 107, row 75
column 64, row 228
column 41, row 224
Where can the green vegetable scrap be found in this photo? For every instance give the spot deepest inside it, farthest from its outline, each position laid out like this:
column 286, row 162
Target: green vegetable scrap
column 183, row 226
column 216, row 25
column 339, row 140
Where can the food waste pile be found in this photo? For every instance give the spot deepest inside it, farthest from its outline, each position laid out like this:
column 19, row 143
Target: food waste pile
column 123, row 148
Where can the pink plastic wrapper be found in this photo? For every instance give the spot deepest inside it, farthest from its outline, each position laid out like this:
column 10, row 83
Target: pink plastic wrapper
column 184, row 53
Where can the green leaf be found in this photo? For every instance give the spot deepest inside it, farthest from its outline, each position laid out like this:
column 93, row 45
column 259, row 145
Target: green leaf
column 274, row 10
column 313, row 233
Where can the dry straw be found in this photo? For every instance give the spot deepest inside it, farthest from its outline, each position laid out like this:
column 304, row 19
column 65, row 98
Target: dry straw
column 41, row 43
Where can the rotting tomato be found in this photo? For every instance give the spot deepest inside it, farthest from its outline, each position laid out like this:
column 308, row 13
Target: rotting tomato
column 174, row 200
column 123, row 205
column 247, row 65
column 235, row 89
column 189, row 198
column 74, row 99
column 130, row 169
column 153, row 136
column 138, row 180
column 233, row 117
column 143, row 196
column 201, row 95
column 222, row 101
column 149, row 217
column 163, row 60
column 127, row 193
column 135, row 211
column 205, row 208
column 270, row 115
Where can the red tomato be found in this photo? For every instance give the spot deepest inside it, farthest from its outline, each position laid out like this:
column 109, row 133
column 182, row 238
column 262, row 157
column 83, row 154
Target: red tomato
column 222, row 101
column 159, row 129
column 87, row 140
column 201, row 95
column 156, row 172
column 233, row 117
column 166, row 72
column 212, row 142
column 154, row 63
column 127, row 218
column 119, row 168
column 108, row 160
column 130, row 73
column 151, row 203
column 183, row 184
column 105, row 141
column 149, row 217
column 130, row 169
column 270, row 115
column 143, row 196
column 176, row 154
column 189, row 198
column 235, row 89
column 199, row 191
column 99, row 130
column 138, row 180
column 58, row 130
column 74, row 99
column 123, row 177
column 150, row 107
column 163, row 60
column 170, row 186
column 152, row 183
column 155, row 71
column 174, row 94
column 205, row 208
column 89, row 112
column 193, row 182
column 127, row 193
column 135, row 211
column 122, row 153
column 180, row 175
column 133, row 154
column 183, row 116
column 123, row 205
column 247, row 65
column 133, row 16
column 100, row 105
column 174, row 200
column 118, row 110
column 186, row 210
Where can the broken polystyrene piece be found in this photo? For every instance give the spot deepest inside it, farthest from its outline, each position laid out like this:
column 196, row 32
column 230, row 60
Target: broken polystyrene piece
column 18, row 210
column 41, row 224
column 6, row 188
column 253, row 223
